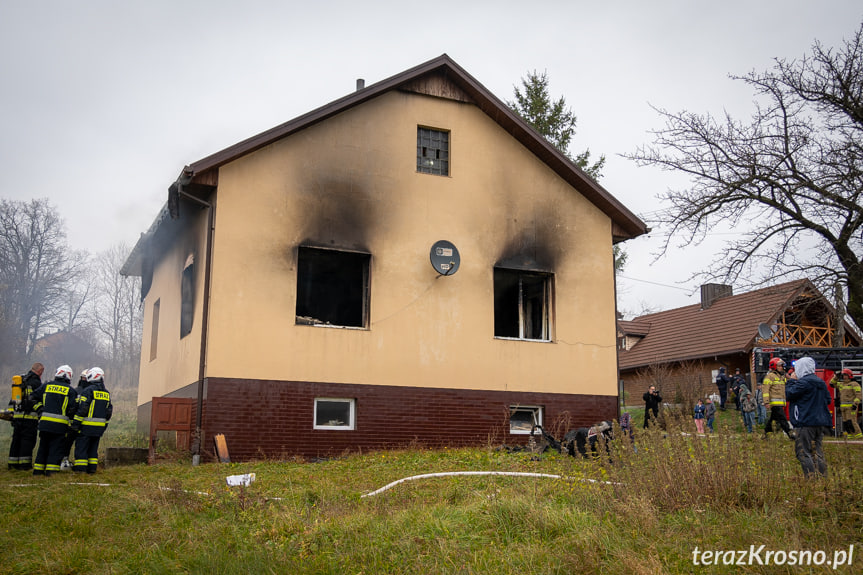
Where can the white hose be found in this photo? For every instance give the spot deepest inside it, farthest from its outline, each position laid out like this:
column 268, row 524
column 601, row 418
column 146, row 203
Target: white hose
column 453, row 473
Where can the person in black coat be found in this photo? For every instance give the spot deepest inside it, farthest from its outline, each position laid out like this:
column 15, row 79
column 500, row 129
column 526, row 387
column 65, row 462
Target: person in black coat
column 652, row 399
column 25, row 421
column 722, row 382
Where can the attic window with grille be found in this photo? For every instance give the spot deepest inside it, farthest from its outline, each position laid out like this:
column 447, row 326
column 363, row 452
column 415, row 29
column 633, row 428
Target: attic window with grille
column 522, row 304
column 432, row 151
column 332, row 288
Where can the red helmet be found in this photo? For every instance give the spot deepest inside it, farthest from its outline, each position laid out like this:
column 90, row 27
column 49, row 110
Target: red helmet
column 848, row 373
column 776, row 363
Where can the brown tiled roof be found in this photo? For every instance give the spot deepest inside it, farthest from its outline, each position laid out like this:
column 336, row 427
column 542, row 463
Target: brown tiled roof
column 633, row 327
column 729, row 325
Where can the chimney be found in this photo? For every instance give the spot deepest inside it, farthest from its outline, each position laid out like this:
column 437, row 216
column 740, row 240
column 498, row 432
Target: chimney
column 360, row 84
column 712, row 292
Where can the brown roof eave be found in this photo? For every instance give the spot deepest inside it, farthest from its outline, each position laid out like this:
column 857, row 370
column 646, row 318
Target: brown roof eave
column 688, row 358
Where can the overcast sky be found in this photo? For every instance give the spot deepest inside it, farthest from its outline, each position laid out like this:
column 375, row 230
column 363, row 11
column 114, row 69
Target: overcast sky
column 102, row 103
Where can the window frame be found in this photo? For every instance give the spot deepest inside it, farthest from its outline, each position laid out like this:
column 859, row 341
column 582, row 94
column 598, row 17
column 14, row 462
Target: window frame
column 352, row 414
column 366, row 287
column 426, row 165
column 547, row 313
column 534, row 409
column 187, row 297
column 154, row 329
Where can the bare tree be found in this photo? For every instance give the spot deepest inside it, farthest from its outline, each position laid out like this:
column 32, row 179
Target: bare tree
column 117, row 312
column 792, row 176
column 34, row 268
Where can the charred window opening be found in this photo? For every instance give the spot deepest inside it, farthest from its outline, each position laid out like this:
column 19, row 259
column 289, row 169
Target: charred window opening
column 154, row 330
column 522, row 418
column 335, row 413
column 332, row 288
column 432, row 151
column 187, row 301
column 522, row 304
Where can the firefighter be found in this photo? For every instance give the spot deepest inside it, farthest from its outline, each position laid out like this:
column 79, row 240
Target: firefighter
column 55, row 402
column 69, row 440
column 773, row 391
column 25, row 421
column 91, row 420
column 849, row 401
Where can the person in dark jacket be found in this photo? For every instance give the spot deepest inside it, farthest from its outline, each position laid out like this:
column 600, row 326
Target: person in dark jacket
column 722, row 382
column 652, row 399
column 71, row 435
column 91, row 420
column 25, row 421
column 809, row 407
column 55, row 401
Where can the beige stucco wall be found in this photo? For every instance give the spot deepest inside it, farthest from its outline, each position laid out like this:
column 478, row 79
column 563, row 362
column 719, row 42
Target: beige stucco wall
column 177, row 359
column 351, row 183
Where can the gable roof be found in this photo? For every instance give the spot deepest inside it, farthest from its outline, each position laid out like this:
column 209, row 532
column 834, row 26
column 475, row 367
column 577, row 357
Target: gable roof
column 200, row 178
column 728, row 326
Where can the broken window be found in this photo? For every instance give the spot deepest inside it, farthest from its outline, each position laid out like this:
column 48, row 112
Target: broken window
column 187, row 297
column 432, row 151
column 522, row 418
column 154, row 330
column 522, row 302
column 334, row 413
column 332, row 287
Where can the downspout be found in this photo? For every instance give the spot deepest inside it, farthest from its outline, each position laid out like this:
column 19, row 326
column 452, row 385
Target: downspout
column 184, row 179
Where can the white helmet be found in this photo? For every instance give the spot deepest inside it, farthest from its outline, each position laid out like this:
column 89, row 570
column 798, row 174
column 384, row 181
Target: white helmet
column 84, row 374
column 95, row 375
column 63, row 372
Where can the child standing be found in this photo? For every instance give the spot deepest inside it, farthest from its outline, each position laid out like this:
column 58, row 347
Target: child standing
column 748, row 407
column 710, row 413
column 699, row 416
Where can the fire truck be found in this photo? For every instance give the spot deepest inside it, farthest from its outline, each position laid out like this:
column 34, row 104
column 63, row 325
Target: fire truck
column 828, row 360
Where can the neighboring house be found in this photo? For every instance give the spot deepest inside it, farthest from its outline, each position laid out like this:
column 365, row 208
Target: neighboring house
column 63, row 347
column 289, row 289
column 688, row 345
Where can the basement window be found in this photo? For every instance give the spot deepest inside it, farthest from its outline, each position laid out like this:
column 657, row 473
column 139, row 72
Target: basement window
column 332, row 288
column 335, row 413
column 522, row 305
column 187, row 297
column 522, row 418
column 432, row 151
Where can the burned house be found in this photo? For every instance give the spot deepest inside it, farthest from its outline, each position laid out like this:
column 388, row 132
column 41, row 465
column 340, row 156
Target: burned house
column 409, row 264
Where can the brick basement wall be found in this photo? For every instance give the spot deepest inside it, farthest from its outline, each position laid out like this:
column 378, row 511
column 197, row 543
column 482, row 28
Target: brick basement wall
column 274, row 419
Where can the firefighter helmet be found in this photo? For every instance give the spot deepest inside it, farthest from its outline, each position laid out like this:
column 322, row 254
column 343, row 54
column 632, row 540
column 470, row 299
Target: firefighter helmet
column 95, row 375
column 63, row 372
column 777, row 363
column 848, row 373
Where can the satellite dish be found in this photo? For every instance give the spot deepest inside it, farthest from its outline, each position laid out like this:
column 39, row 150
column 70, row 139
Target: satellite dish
column 764, row 331
column 444, row 258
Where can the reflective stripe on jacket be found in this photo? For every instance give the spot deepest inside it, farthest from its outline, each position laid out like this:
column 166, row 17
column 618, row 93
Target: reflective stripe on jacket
column 57, row 401
column 849, row 392
column 773, row 388
column 94, row 410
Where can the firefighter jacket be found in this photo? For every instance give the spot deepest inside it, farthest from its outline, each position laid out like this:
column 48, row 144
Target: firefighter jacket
column 26, row 410
column 849, row 392
column 56, row 402
column 773, row 388
column 94, row 410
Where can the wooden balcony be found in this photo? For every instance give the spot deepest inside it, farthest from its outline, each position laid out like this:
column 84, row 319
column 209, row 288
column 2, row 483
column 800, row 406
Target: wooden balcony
column 789, row 335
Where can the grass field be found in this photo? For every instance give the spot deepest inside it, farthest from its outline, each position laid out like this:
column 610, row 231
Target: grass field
column 643, row 510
